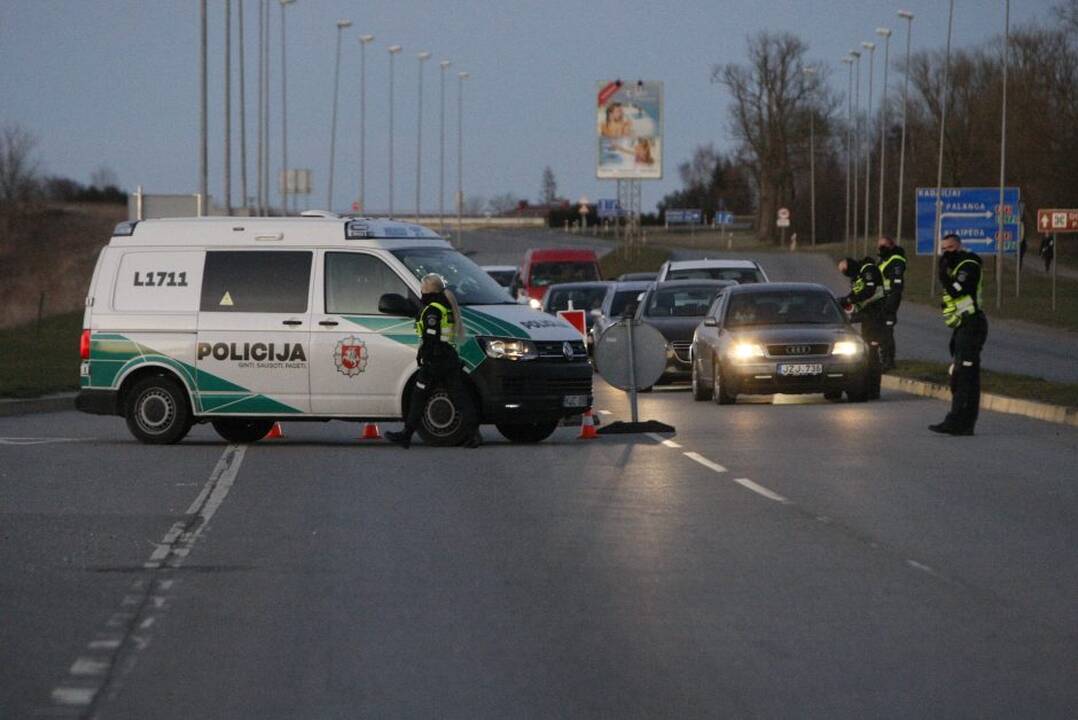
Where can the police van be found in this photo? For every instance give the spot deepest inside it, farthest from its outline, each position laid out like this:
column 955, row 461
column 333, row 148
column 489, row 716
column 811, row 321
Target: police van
column 241, row 322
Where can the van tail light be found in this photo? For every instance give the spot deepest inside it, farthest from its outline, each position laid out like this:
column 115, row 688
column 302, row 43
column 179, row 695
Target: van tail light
column 84, row 345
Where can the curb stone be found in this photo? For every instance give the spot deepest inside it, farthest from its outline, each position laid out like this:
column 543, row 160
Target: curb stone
column 47, row 403
column 1059, row 414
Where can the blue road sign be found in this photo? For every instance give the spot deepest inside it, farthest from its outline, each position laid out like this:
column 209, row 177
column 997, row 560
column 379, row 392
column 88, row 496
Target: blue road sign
column 608, row 208
column 724, row 218
column 971, row 213
column 684, row 217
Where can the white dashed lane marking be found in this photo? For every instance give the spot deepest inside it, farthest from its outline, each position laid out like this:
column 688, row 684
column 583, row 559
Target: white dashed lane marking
column 697, row 457
column 660, row 439
column 760, row 490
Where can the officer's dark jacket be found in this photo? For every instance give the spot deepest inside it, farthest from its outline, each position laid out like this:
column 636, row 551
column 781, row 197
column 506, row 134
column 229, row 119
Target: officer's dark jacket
column 433, row 349
column 866, row 280
column 966, row 280
column 893, row 270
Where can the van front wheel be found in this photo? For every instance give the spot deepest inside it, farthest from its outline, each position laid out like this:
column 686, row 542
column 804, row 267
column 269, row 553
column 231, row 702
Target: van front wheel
column 156, row 410
column 242, row 430
column 448, row 418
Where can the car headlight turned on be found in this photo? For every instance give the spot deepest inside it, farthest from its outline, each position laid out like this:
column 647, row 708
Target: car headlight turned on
column 508, row 348
column 847, row 348
column 535, row 304
column 746, row 351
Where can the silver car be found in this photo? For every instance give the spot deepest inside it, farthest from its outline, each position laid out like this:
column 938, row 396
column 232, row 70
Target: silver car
column 777, row 338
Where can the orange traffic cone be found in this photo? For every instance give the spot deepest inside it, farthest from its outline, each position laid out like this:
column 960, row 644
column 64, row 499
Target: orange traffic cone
column 275, row 433
column 587, row 426
column 371, row 432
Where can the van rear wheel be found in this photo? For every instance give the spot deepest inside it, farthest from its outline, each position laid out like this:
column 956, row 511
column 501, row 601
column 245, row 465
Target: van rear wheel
column 156, row 410
column 443, row 423
column 242, row 430
column 527, row 432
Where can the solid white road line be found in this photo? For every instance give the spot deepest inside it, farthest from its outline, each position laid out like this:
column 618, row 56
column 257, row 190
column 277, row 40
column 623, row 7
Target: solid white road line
column 697, row 457
column 760, row 490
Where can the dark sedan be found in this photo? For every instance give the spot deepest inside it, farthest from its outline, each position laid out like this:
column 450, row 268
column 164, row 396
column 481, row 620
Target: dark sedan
column 675, row 308
column 777, row 338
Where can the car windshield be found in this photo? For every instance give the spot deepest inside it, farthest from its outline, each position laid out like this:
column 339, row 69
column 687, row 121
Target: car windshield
column 552, row 273
column 790, row 307
column 743, row 276
column 590, row 298
column 468, row 281
column 621, row 299
column 502, row 277
column 681, row 302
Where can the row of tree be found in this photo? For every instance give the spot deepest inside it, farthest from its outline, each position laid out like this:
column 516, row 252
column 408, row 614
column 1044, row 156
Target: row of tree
column 775, row 103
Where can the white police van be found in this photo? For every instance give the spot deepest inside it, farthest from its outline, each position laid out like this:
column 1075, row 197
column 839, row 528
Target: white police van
column 241, row 322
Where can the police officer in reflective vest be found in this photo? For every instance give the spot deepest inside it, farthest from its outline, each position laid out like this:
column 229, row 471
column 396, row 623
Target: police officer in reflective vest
column 892, row 266
column 960, row 278
column 439, row 330
column 865, row 300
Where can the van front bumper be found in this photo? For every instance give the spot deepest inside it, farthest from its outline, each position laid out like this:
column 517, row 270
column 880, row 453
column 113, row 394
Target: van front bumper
column 533, row 391
column 98, row 402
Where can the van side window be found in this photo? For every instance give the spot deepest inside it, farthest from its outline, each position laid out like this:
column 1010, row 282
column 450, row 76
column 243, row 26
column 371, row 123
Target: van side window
column 356, row 281
column 268, row 282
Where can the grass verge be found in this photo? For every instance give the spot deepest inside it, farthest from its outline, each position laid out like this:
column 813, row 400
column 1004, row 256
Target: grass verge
column 37, row 360
column 645, row 259
column 1023, row 387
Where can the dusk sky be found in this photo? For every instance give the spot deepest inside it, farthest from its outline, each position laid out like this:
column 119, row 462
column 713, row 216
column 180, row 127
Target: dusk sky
column 114, row 83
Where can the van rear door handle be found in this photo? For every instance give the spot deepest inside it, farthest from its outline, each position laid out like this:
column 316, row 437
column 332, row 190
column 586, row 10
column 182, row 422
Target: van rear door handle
column 293, row 322
column 328, row 323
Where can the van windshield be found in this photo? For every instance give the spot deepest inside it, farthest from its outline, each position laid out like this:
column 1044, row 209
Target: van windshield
column 469, row 282
column 552, row 273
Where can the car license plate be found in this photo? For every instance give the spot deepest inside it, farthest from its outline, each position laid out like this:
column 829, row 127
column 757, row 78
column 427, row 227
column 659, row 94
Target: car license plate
column 575, row 401
column 800, row 369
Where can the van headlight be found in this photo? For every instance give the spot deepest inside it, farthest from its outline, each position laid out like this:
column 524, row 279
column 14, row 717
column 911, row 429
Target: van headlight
column 508, row 348
column 535, row 304
column 746, row 351
column 847, row 348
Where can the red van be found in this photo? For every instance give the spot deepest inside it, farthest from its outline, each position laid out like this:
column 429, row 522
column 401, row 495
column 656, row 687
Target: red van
column 543, row 267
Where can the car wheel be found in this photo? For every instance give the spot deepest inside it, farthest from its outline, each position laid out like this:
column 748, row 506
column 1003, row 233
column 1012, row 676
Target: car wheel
column 719, row 392
column 699, row 392
column 243, row 430
column 443, row 419
column 527, row 432
column 156, row 410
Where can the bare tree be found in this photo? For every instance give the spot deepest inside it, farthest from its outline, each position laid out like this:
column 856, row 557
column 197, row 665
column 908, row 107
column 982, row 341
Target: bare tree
column 18, row 168
column 104, row 177
column 769, row 116
column 504, row 203
column 473, row 205
column 550, row 186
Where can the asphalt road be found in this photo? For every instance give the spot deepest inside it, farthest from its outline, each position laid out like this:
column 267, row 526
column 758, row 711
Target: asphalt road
column 783, row 558
column 1012, row 346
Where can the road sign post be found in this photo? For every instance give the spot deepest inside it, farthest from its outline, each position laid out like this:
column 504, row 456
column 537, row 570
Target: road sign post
column 782, row 221
column 1057, row 221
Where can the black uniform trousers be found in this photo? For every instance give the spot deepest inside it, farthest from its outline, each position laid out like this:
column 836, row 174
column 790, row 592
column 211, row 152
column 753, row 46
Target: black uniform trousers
column 967, row 340
column 444, row 373
column 873, row 329
column 887, row 335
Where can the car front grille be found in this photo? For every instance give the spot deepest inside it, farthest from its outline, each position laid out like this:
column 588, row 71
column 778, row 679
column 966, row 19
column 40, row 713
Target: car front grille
column 681, row 350
column 529, row 386
column 798, row 349
column 553, row 350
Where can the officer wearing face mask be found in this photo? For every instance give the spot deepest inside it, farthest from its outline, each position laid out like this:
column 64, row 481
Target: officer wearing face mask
column 893, row 269
column 865, row 302
column 961, row 278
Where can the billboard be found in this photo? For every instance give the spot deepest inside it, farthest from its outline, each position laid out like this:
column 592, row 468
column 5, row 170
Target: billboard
column 629, row 129
column 971, row 213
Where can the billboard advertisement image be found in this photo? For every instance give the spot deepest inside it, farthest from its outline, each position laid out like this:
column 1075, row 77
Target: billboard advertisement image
column 629, row 128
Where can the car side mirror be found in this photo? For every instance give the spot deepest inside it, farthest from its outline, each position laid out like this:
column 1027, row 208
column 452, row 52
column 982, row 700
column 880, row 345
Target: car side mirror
column 710, row 322
column 394, row 304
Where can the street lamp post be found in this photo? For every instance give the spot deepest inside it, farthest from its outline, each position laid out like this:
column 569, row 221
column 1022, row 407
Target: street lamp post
column 848, row 62
column 261, row 89
column 908, row 17
column 856, row 143
column 461, row 77
column 227, row 195
column 203, row 150
column 885, row 33
column 265, row 60
column 444, row 65
column 393, row 50
column 423, row 57
column 1000, row 244
column 342, row 25
column 871, row 47
column 284, row 111
column 243, row 112
column 364, row 41
column 944, row 92
column 810, row 72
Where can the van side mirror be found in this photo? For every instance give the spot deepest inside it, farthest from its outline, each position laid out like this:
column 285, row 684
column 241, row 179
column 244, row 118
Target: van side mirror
column 711, row 322
column 394, row 304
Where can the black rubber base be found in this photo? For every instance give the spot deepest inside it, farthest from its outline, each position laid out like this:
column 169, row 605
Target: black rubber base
column 624, row 428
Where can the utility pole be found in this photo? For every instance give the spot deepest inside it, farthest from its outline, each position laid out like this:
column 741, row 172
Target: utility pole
column 908, row 17
column 203, row 151
column 423, row 57
column 885, row 33
column 944, row 91
column 243, row 114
